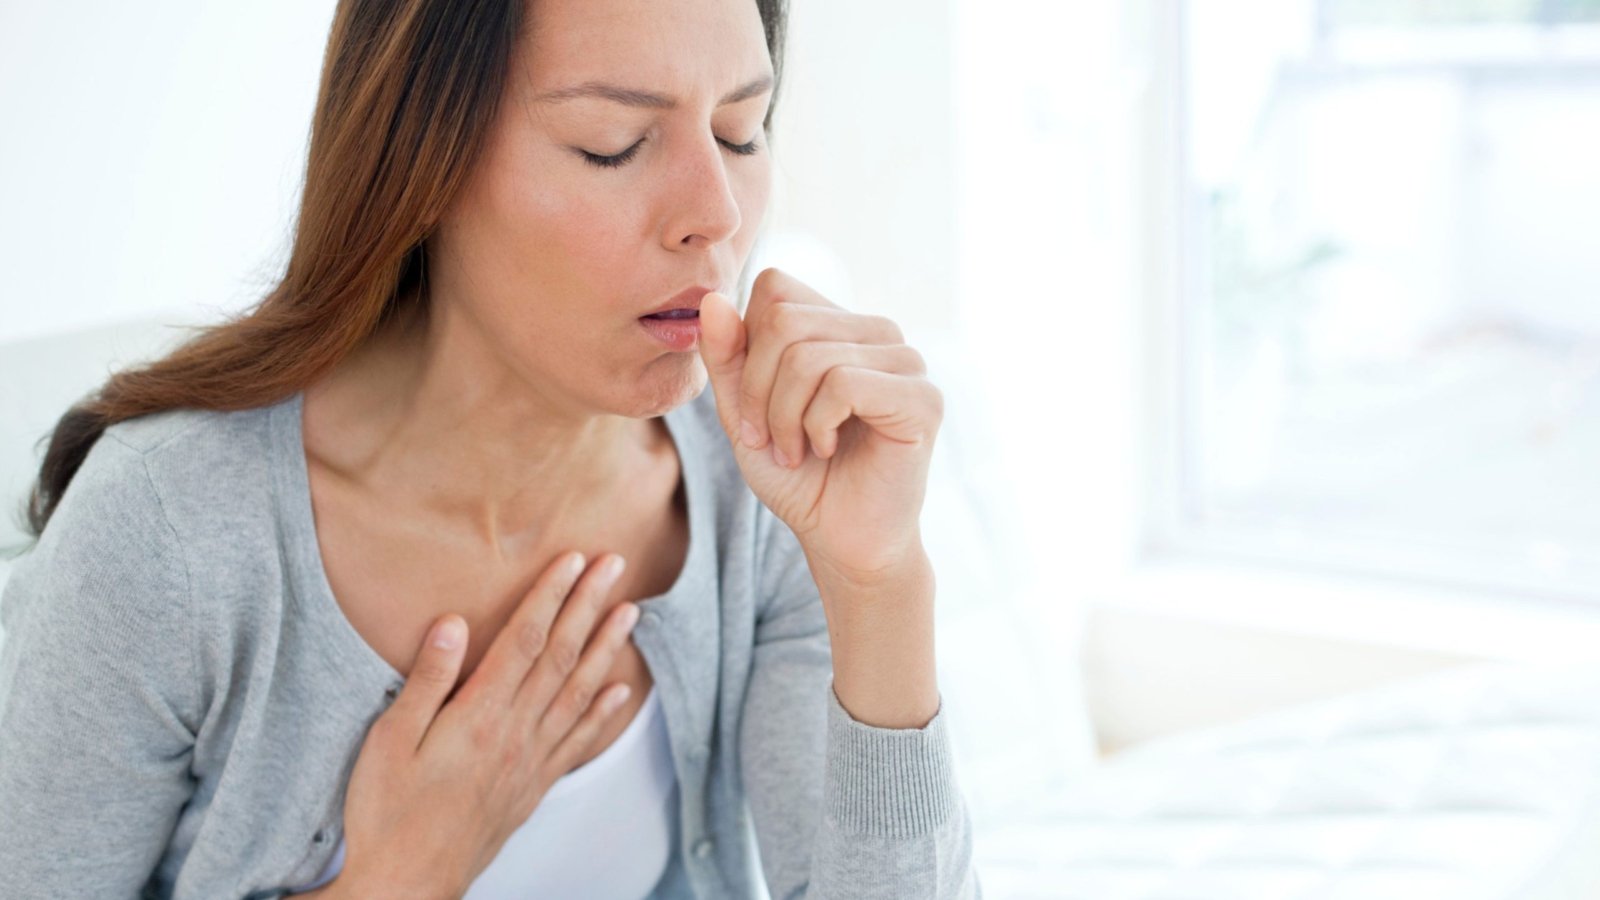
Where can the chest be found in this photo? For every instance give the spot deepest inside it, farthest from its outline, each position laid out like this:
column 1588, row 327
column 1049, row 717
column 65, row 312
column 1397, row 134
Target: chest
column 393, row 577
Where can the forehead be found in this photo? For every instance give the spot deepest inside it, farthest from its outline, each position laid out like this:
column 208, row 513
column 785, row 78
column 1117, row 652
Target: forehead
column 686, row 48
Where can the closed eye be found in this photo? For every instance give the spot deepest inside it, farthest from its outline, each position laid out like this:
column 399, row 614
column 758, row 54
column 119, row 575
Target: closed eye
column 622, row 159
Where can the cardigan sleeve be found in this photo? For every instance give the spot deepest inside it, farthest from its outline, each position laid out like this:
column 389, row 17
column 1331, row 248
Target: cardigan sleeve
column 841, row 809
column 99, row 698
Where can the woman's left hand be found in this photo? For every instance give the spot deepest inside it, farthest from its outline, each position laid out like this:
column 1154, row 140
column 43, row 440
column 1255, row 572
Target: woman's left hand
column 846, row 401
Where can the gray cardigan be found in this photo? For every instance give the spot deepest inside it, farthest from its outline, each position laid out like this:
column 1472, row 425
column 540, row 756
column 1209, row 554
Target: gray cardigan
column 182, row 699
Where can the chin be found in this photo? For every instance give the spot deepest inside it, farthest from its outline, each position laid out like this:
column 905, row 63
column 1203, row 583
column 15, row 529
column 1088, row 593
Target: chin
column 668, row 387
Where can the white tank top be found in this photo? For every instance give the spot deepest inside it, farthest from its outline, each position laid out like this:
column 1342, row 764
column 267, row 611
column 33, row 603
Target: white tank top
column 625, row 799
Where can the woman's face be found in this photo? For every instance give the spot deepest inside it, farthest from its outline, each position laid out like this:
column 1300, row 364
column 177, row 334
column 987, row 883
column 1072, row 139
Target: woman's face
column 552, row 257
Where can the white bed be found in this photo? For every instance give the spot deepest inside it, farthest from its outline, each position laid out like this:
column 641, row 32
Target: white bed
column 1480, row 781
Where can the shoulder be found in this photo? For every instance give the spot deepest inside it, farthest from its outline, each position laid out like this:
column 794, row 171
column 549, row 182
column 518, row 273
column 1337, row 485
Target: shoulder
column 145, row 433
column 107, row 563
column 140, row 483
column 157, row 502
column 205, row 469
column 202, row 438
column 105, row 600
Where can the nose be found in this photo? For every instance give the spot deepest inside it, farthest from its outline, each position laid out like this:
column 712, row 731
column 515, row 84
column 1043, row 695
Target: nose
column 704, row 209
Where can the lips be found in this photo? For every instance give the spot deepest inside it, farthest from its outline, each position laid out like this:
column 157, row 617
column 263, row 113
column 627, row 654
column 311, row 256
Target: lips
column 684, row 304
column 679, row 333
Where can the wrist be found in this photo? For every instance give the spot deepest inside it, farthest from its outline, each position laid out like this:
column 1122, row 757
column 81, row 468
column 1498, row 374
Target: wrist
column 904, row 569
column 882, row 643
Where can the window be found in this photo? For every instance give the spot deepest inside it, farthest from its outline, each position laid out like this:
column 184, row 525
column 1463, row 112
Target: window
column 1390, row 313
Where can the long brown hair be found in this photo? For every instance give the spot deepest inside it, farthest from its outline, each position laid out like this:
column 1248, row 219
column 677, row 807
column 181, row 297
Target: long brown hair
column 409, row 89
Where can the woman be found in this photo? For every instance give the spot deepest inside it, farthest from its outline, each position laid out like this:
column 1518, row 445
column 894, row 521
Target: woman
column 464, row 400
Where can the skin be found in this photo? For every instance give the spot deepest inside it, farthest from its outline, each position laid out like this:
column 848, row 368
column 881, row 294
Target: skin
column 458, row 454
column 515, row 421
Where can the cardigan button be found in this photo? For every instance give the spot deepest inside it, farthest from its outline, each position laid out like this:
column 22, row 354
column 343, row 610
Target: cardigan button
column 703, row 848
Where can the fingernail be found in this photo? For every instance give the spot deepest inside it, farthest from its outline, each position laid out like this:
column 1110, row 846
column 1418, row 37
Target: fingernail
column 447, row 634
column 749, row 434
column 613, row 568
column 630, row 615
column 616, row 697
column 778, row 457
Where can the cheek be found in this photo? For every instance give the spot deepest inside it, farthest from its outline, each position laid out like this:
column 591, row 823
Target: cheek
column 563, row 234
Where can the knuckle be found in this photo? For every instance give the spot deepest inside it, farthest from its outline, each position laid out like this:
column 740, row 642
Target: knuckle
column 915, row 360
column 530, row 639
column 582, row 696
column 888, row 327
column 783, row 318
column 813, row 428
column 484, row 731
column 564, row 656
column 565, row 707
column 767, row 279
column 751, row 401
column 807, row 358
column 832, row 380
column 434, row 675
column 511, row 753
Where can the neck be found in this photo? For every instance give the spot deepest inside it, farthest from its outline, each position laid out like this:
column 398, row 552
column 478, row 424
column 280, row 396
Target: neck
column 424, row 420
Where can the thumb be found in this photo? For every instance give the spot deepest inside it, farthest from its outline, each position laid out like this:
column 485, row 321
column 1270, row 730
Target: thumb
column 433, row 676
column 722, row 347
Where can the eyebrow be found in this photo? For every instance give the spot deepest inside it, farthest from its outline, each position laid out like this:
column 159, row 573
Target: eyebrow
column 636, row 97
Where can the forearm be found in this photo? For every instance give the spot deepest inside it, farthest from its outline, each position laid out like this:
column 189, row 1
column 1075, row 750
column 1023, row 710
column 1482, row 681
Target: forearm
column 881, row 635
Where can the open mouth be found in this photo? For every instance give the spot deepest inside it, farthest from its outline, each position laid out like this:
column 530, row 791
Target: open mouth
column 678, row 329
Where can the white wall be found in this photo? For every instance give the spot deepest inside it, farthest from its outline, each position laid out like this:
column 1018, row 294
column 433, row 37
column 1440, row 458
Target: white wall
column 865, row 150
column 151, row 155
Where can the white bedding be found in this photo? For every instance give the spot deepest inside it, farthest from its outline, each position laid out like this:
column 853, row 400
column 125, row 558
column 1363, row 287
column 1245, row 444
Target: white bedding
column 1476, row 782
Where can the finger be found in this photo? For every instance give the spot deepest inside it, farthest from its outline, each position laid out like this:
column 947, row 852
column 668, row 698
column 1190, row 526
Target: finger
column 800, row 374
column 523, row 638
column 906, row 408
column 581, row 739
column 433, row 675
column 580, row 689
column 768, row 289
column 773, row 286
column 571, row 632
column 785, row 324
column 722, row 348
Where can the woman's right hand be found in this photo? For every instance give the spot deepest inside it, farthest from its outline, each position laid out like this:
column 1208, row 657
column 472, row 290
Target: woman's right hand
column 441, row 782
